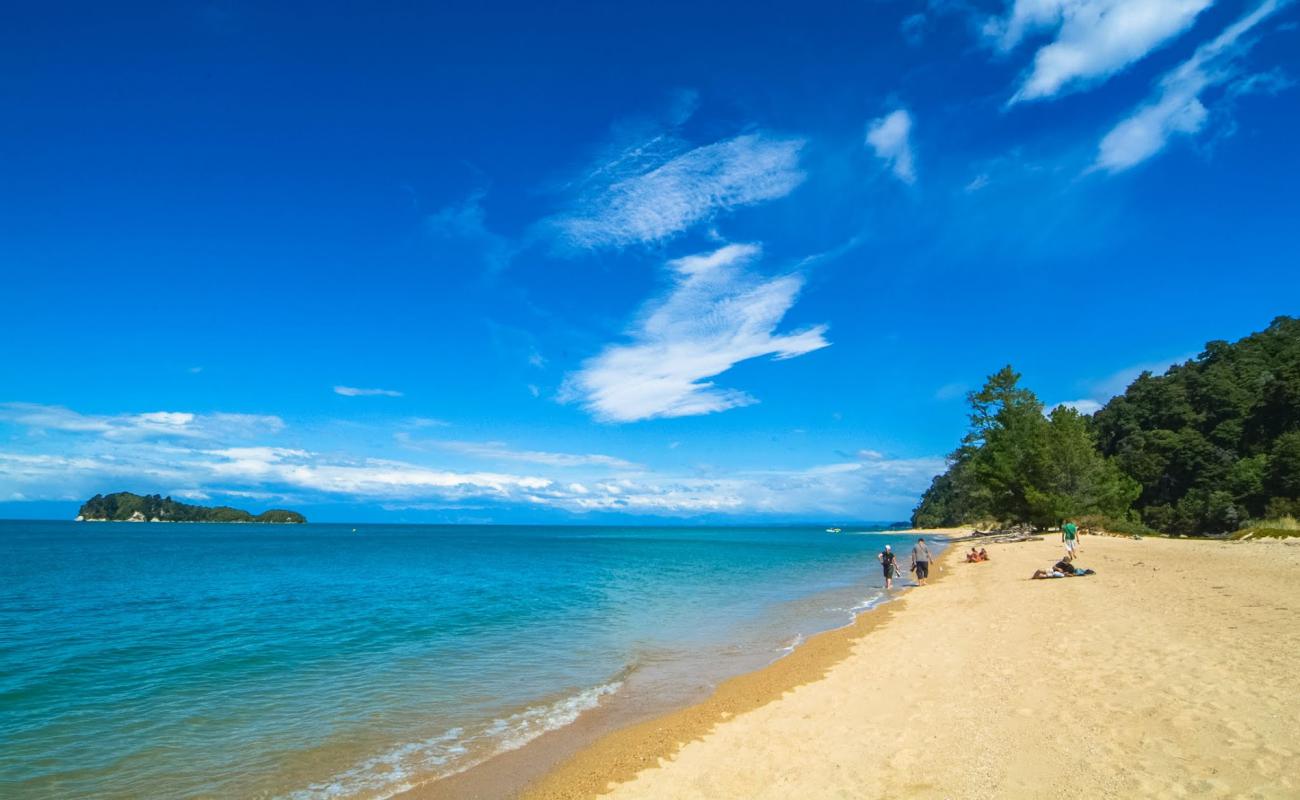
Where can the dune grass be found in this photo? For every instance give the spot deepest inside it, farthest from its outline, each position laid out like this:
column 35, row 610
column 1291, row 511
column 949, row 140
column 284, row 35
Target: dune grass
column 1285, row 527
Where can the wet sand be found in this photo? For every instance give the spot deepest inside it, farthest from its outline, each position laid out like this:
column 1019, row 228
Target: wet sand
column 1173, row 672
column 625, row 734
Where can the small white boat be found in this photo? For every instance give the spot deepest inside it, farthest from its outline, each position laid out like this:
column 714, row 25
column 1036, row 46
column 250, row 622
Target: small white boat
column 833, row 530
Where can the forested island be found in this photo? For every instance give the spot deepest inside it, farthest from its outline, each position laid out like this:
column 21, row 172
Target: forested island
column 1209, row 448
column 129, row 507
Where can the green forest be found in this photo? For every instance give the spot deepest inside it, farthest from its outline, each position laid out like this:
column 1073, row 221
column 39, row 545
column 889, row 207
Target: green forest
column 1208, row 448
column 121, row 506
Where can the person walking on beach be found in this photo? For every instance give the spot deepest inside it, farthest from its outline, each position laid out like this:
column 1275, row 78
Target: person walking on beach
column 890, row 565
column 1070, row 538
column 921, row 561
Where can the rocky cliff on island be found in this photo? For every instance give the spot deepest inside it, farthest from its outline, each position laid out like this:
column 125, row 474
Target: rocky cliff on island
column 129, row 507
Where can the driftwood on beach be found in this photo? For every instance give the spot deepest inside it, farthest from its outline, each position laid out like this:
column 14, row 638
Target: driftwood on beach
column 998, row 537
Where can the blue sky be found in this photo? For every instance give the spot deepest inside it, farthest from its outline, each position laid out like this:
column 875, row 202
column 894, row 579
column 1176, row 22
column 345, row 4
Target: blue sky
column 587, row 262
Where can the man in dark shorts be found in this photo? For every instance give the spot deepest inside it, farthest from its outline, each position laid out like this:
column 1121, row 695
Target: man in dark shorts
column 890, row 564
column 921, row 561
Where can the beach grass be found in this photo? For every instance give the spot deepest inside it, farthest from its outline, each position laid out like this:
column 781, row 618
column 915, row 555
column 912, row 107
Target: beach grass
column 1285, row 527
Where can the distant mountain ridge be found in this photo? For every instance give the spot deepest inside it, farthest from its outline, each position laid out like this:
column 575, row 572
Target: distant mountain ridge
column 130, row 507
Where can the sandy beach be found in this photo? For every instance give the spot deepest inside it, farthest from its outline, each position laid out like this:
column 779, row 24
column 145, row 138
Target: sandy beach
column 1172, row 672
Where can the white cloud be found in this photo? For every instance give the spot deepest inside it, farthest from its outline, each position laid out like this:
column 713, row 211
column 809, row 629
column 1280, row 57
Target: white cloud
column 1083, row 406
column 366, row 477
column 69, row 476
column 653, row 190
column 265, row 473
column 1115, row 383
column 978, row 182
column 913, row 29
column 459, row 234
column 715, row 315
column 1176, row 106
column 43, row 418
column 352, row 391
column 427, row 422
column 82, row 462
column 838, row 489
column 1094, row 39
column 1101, row 390
column 890, row 138
column 499, row 451
column 951, row 391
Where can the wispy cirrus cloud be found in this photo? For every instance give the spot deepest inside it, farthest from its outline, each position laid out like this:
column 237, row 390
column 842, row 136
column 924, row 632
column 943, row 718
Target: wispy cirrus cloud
column 951, row 391
column 1115, row 383
column 1085, row 405
column 659, row 188
column 358, row 477
column 1094, row 39
column 500, row 451
column 1100, row 390
column 890, row 137
column 460, row 234
column 426, row 422
column 44, row 418
column 82, row 461
column 352, row 391
column 913, row 29
column 716, row 314
column 1176, row 107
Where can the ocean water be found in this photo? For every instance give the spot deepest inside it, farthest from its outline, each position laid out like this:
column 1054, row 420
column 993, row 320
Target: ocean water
column 180, row 661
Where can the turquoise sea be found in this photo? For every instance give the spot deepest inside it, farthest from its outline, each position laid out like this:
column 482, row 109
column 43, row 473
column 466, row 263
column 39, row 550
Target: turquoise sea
column 340, row 661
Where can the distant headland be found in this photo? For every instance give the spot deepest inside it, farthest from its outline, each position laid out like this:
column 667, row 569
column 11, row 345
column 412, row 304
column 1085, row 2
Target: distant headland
column 129, row 507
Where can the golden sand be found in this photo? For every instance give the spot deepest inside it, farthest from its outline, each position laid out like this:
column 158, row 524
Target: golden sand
column 1173, row 672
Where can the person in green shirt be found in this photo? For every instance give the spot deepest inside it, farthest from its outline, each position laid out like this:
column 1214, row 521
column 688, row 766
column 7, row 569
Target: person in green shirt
column 1070, row 538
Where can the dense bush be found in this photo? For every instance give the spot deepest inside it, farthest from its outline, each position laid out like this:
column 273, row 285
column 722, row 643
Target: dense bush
column 1202, row 449
column 123, row 505
column 1213, row 442
column 1018, row 465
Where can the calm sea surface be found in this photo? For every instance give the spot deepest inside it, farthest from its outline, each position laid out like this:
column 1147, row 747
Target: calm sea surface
column 314, row 661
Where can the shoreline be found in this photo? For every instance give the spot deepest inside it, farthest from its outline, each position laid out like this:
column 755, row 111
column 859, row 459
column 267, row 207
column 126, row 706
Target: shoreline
column 622, row 754
column 592, row 751
column 1168, row 673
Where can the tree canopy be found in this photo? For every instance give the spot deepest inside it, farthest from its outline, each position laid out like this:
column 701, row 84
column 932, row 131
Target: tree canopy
column 1020, row 465
column 1215, row 441
column 1201, row 449
column 122, row 506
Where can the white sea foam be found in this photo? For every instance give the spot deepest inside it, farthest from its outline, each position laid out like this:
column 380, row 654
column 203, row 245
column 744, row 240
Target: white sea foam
column 789, row 646
column 867, row 603
column 519, row 729
column 397, row 770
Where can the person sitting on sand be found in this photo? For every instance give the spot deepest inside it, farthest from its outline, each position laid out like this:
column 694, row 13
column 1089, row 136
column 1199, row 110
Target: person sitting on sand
column 984, row 554
column 972, row 557
column 890, row 564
